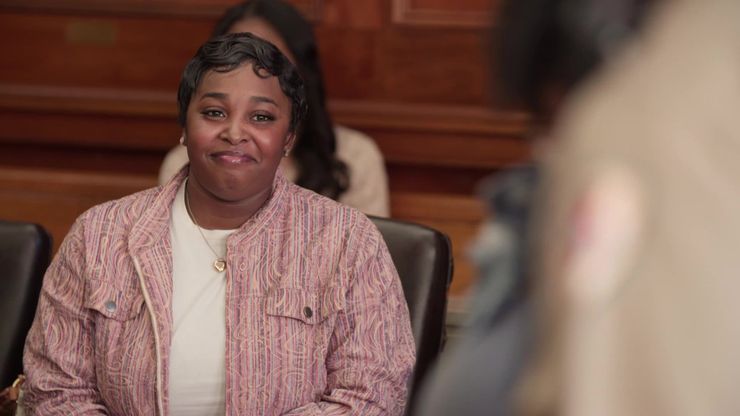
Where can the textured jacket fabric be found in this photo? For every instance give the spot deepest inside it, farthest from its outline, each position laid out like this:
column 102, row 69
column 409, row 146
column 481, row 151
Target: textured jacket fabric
column 316, row 321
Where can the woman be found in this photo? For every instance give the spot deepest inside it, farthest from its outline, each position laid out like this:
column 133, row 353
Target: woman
column 131, row 316
column 334, row 161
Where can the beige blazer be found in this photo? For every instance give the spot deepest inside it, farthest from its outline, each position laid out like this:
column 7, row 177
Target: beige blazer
column 640, row 269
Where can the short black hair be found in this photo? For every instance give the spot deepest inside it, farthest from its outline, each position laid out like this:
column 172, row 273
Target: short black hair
column 541, row 43
column 227, row 52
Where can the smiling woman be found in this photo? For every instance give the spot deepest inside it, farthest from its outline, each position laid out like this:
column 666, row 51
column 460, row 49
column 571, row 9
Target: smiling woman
column 235, row 142
column 229, row 290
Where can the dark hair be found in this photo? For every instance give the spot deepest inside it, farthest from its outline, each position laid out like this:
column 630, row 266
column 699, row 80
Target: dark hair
column 315, row 149
column 545, row 43
column 227, row 52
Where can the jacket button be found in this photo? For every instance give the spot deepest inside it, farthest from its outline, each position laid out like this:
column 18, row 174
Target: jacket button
column 307, row 312
column 110, row 306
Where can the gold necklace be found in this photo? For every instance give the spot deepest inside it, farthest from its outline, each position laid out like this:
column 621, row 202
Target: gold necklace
column 220, row 263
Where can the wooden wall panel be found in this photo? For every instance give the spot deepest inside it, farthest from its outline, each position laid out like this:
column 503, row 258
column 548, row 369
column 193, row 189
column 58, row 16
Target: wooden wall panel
column 55, row 198
column 408, row 65
column 87, row 101
column 462, row 13
column 159, row 8
column 141, row 53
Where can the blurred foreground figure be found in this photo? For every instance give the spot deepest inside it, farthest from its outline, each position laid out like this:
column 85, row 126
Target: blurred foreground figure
column 640, row 273
column 545, row 49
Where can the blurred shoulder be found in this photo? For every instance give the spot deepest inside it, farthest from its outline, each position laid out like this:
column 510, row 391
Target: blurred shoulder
column 352, row 144
column 368, row 179
column 175, row 159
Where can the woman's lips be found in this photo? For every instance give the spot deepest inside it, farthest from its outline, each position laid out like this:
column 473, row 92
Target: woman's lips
column 233, row 157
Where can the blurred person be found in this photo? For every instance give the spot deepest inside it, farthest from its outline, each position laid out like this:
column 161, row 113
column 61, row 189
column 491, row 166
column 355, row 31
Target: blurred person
column 639, row 269
column 229, row 290
column 545, row 50
column 332, row 160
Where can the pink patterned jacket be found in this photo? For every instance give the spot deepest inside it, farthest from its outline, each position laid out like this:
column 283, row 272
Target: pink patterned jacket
column 316, row 319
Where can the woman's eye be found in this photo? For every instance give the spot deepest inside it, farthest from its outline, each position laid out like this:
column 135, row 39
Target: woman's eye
column 262, row 118
column 214, row 114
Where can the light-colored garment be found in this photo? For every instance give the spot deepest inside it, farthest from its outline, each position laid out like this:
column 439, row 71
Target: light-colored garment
column 316, row 320
column 198, row 353
column 368, row 180
column 642, row 231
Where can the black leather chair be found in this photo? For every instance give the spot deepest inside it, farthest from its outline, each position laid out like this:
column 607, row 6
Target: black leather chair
column 25, row 251
column 423, row 258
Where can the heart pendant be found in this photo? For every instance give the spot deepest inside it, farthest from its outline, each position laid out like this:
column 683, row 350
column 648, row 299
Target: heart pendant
column 219, row 264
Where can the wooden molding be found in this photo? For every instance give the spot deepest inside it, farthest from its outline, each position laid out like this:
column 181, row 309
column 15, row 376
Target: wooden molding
column 434, row 207
column 80, row 183
column 409, row 134
column 209, row 9
column 93, row 101
column 410, row 117
column 191, row 8
column 406, row 117
column 403, row 13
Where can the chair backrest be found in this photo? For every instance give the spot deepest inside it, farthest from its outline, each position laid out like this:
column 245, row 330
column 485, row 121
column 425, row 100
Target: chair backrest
column 423, row 258
column 25, row 250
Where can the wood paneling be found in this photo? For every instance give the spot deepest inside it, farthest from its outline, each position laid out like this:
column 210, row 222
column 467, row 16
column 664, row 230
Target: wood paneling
column 55, row 198
column 458, row 216
column 445, row 13
column 386, row 64
column 158, row 8
column 145, row 54
column 406, row 64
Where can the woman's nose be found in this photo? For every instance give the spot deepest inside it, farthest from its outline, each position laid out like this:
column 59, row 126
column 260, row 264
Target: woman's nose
column 235, row 133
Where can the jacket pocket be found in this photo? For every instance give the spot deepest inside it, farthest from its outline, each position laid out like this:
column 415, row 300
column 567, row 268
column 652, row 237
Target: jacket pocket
column 112, row 302
column 306, row 306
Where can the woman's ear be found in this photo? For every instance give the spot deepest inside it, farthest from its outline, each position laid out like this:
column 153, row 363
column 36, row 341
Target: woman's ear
column 289, row 143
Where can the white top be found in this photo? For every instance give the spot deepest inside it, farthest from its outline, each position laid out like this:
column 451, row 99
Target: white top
column 368, row 180
column 197, row 359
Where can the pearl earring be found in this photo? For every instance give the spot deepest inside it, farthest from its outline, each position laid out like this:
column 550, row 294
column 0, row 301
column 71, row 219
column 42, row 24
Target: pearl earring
column 285, row 152
column 182, row 140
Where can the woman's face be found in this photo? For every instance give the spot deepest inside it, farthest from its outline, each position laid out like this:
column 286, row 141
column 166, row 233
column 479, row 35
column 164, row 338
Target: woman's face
column 261, row 28
column 236, row 132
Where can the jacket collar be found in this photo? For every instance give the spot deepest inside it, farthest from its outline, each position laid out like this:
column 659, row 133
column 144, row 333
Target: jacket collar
column 153, row 225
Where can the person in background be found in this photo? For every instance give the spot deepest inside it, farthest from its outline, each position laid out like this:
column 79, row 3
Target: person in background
column 332, row 160
column 228, row 290
column 543, row 51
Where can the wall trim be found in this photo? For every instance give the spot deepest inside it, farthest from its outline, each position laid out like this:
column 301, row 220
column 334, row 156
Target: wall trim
column 403, row 13
column 395, row 116
column 407, row 133
column 208, row 9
